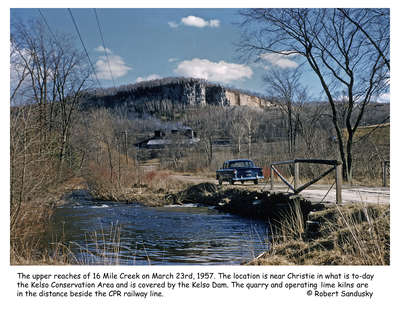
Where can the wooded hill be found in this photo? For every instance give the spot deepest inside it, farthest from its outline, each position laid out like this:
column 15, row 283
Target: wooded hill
column 169, row 95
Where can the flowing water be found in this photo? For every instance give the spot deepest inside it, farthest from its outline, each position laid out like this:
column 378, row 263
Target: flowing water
column 110, row 233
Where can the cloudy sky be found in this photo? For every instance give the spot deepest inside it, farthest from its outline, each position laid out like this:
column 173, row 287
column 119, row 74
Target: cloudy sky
column 146, row 44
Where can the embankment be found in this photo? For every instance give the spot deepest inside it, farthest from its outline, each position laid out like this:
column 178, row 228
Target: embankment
column 347, row 235
column 29, row 226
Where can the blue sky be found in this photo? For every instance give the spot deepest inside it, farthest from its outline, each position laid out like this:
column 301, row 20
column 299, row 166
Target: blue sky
column 145, row 44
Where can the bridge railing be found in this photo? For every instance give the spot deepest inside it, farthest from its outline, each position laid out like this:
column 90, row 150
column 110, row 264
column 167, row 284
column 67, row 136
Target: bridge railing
column 336, row 166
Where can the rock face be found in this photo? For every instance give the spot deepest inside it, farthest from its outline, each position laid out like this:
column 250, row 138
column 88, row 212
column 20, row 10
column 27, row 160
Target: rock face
column 216, row 95
column 237, row 98
column 194, row 93
column 164, row 95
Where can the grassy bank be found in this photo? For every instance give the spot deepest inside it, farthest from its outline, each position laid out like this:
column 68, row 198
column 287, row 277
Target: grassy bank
column 29, row 224
column 347, row 235
column 152, row 188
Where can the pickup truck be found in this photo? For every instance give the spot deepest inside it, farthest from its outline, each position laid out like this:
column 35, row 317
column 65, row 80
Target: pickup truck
column 239, row 170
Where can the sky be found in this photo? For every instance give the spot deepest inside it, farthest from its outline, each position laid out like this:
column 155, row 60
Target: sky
column 146, row 44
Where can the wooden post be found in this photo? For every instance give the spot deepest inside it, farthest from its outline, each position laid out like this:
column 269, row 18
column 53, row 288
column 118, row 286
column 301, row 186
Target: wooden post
column 296, row 175
column 338, row 183
column 271, row 173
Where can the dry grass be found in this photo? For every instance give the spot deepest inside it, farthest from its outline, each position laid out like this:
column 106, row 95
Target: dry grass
column 28, row 227
column 104, row 249
column 136, row 186
column 32, row 252
column 349, row 235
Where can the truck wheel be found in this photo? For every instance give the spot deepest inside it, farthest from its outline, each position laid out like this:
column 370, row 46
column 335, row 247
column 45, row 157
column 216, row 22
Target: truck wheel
column 220, row 181
column 232, row 182
column 256, row 181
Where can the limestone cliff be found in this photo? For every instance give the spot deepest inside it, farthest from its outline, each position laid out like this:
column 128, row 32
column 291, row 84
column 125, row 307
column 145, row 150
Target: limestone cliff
column 165, row 95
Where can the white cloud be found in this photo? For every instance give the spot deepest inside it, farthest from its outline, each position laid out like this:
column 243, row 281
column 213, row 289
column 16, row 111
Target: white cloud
column 148, row 78
column 117, row 65
column 214, row 71
column 279, row 60
column 102, row 49
column 197, row 22
column 173, row 24
column 172, row 59
column 214, row 23
column 193, row 21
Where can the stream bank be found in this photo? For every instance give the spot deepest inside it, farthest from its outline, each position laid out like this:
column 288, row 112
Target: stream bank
column 357, row 234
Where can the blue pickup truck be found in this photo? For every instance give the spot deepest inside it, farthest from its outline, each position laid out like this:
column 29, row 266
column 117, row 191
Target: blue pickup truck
column 239, row 170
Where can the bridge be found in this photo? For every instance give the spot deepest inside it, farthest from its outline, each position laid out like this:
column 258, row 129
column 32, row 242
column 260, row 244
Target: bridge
column 325, row 193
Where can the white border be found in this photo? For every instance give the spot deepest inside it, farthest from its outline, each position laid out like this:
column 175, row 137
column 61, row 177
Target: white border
column 195, row 304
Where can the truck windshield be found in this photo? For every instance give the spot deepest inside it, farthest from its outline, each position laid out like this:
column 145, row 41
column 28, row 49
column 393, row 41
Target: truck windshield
column 241, row 164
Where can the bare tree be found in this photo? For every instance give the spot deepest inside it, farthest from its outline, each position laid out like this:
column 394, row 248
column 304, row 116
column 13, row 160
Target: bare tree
column 102, row 133
column 375, row 25
column 249, row 120
column 52, row 76
column 337, row 51
column 236, row 129
column 207, row 121
column 284, row 85
column 47, row 76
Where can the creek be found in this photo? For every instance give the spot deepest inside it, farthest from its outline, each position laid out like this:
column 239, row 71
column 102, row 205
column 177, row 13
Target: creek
column 131, row 234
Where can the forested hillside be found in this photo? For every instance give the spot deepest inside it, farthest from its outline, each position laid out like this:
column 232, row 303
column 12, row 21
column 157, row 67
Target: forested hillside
column 169, row 96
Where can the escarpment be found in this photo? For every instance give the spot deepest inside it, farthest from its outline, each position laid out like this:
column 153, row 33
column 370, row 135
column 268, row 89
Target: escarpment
column 163, row 95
